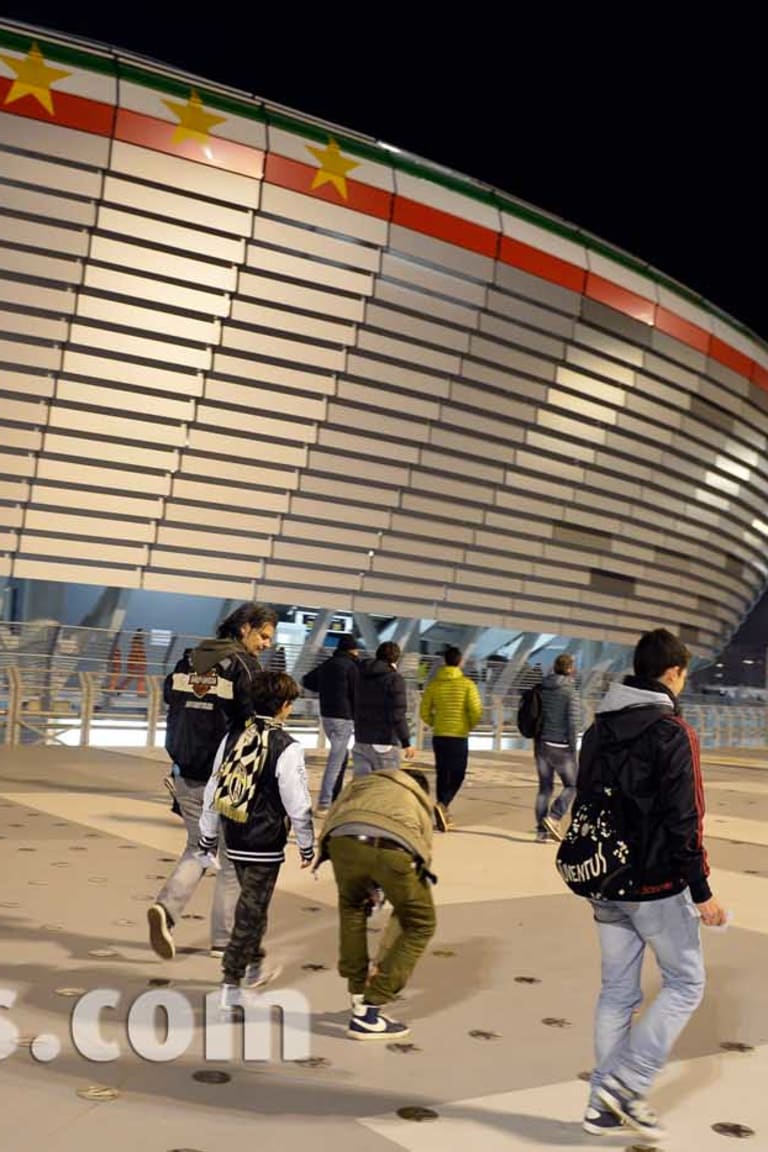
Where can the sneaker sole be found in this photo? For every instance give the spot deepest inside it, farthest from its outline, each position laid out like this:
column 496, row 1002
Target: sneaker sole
column 268, row 978
column 440, row 821
column 596, row 1130
column 391, row 1036
column 627, row 1119
column 160, row 938
column 553, row 828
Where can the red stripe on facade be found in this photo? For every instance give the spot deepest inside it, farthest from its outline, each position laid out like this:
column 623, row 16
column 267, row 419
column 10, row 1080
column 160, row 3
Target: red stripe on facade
column 759, row 375
column 614, row 296
column 542, row 264
column 98, row 118
column 69, row 111
column 298, row 177
column 151, row 132
column 445, row 226
column 730, row 357
column 682, row 330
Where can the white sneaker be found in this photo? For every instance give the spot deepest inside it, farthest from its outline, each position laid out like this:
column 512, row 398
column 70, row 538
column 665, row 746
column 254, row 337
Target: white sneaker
column 257, row 976
column 231, row 997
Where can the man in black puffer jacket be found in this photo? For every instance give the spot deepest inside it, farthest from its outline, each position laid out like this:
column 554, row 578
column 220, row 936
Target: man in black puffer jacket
column 381, row 714
column 641, row 745
column 335, row 680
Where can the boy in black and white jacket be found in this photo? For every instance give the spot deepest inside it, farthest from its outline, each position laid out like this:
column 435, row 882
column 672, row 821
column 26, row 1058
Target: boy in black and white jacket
column 253, row 811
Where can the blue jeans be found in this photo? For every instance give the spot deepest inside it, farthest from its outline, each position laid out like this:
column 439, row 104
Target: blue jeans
column 339, row 733
column 370, row 757
column 635, row 1053
column 551, row 759
column 183, row 881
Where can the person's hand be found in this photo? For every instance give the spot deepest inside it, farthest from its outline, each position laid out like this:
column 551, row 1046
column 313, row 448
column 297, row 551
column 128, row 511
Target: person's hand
column 410, row 752
column 713, row 915
column 305, row 864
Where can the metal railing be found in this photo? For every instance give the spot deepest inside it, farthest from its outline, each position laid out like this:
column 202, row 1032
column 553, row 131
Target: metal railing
column 62, row 684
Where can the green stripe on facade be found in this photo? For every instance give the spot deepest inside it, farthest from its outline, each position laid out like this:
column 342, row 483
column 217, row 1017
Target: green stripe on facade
column 61, row 53
column 171, row 86
column 420, row 168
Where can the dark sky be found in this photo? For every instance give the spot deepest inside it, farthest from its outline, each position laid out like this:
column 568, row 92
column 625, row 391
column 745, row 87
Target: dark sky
column 645, row 134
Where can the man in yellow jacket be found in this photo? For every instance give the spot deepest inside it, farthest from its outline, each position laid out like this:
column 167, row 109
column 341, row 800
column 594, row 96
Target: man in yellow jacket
column 451, row 706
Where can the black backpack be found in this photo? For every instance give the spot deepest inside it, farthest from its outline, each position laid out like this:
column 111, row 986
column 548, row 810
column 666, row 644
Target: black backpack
column 596, row 858
column 530, row 713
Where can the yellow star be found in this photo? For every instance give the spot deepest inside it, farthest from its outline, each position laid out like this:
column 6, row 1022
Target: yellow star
column 33, row 78
column 194, row 122
column 333, row 167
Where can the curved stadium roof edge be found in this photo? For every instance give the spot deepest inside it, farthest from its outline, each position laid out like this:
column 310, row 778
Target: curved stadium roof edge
column 146, row 69
column 247, row 354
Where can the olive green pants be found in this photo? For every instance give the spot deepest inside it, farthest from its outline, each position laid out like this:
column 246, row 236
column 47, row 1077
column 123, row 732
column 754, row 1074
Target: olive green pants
column 357, row 867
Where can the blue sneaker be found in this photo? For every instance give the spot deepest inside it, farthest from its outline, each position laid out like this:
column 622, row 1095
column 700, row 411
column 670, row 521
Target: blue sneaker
column 371, row 1024
column 630, row 1107
column 601, row 1122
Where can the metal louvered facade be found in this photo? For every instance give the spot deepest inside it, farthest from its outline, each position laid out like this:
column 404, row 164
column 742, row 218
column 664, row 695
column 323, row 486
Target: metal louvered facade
column 288, row 364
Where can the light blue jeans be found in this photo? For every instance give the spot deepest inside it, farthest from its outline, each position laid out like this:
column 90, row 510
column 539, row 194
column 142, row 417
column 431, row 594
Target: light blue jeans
column 635, row 1053
column 374, row 757
column 339, row 733
column 182, row 882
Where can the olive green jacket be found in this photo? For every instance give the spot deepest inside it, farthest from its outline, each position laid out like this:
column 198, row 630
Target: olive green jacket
column 389, row 800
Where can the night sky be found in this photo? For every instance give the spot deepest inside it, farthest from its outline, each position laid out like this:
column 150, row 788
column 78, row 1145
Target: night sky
column 648, row 136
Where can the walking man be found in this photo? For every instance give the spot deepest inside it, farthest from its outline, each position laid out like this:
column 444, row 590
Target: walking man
column 555, row 747
column 335, row 681
column 451, row 706
column 640, row 741
column 378, row 836
column 381, row 714
column 208, row 691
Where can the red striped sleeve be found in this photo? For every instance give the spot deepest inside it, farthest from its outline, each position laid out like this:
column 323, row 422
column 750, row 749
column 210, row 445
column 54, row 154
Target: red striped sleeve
column 698, row 786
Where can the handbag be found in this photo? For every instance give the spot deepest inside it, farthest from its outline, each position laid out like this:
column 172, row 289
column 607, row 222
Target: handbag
column 595, row 858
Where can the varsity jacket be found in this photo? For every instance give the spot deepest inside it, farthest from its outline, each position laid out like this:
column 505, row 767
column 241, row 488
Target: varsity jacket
column 281, row 795
column 381, row 706
column 335, row 680
column 207, row 692
column 450, row 703
column 640, row 740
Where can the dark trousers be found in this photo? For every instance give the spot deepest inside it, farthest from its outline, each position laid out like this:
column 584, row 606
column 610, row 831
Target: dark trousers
column 451, row 754
column 357, row 867
column 257, row 883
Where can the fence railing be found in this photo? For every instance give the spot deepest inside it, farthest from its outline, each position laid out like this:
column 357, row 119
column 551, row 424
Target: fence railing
column 47, row 703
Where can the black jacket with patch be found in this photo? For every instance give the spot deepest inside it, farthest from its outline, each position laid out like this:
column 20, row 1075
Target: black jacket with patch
column 202, row 707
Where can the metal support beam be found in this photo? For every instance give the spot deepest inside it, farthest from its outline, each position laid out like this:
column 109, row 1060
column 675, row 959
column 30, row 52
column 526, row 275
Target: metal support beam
column 368, row 632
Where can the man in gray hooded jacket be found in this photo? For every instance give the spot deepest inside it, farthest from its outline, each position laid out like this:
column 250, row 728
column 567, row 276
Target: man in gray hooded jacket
column 555, row 747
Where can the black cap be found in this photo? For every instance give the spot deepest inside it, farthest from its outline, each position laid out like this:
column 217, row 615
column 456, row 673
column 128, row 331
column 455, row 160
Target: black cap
column 347, row 643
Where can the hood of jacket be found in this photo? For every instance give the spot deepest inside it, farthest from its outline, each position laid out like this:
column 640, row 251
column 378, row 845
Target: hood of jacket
column 448, row 672
column 555, row 680
column 211, row 652
column 628, row 709
column 376, row 669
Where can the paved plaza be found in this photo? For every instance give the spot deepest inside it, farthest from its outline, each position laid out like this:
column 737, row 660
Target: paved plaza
column 500, row 1005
